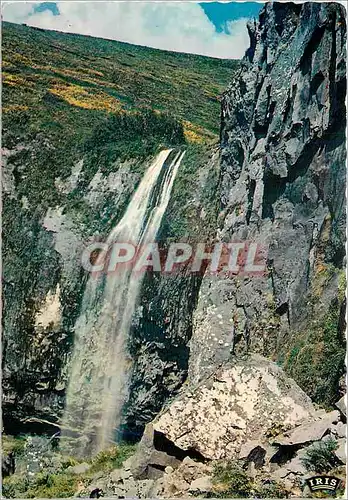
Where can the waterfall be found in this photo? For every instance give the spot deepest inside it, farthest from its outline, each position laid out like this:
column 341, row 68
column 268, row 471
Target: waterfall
column 100, row 365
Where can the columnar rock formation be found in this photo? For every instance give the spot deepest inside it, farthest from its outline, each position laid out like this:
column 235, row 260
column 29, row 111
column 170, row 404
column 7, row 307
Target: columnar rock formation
column 282, row 185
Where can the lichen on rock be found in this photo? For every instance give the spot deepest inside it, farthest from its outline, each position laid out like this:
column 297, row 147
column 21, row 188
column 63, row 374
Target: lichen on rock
column 241, row 401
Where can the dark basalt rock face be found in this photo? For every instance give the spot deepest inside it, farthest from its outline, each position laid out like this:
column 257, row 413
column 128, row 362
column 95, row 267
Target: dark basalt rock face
column 282, row 185
column 162, row 326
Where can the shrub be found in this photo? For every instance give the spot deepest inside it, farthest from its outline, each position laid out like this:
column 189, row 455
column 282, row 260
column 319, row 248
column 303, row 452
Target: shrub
column 112, row 458
column 316, row 358
column 14, row 486
column 231, row 481
column 139, row 128
column 69, row 462
column 53, row 486
column 320, row 456
column 42, row 485
column 272, row 489
column 128, row 135
column 12, row 444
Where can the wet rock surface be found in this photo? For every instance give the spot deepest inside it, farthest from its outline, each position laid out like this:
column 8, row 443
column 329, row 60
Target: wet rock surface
column 162, row 326
column 44, row 282
column 39, row 324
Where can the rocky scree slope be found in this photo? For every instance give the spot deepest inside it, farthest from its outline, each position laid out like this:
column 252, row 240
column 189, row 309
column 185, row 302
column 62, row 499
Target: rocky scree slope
column 269, row 440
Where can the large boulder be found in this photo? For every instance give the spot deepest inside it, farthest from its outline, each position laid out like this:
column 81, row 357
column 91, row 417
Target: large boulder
column 241, row 401
column 342, row 405
column 148, row 458
column 309, row 431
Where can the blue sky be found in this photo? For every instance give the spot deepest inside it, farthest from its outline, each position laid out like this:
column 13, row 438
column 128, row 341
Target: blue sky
column 219, row 13
column 52, row 6
column 215, row 29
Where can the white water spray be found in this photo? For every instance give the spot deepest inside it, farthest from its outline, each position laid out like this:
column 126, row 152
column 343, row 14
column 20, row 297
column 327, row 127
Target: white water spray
column 100, row 364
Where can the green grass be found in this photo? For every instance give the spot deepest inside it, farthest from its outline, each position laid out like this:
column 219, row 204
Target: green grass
column 183, row 217
column 320, row 456
column 45, row 70
column 112, row 458
column 272, row 489
column 316, row 357
column 12, row 444
column 43, row 485
column 231, row 481
column 61, row 483
column 67, row 97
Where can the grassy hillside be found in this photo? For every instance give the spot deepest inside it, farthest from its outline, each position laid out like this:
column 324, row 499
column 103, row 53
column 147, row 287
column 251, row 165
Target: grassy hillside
column 68, row 98
column 64, row 83
column 100, row 108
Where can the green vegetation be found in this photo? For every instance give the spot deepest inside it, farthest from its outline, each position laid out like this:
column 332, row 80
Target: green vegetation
column 276, row 429
column 112, row 458
column 67, row 79
column 272, row 489
column 68, row 97
column 42, row 485
column 194, row 190
column 61, row 483
column 315, row 358
column 11, row 444
column 52, row 486
column 320, row 456
column 231, row 481
column 15, row 486
column 126, row 136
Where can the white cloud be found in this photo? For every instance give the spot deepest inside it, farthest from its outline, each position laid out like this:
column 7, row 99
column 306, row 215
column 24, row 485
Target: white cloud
column 16, row 12
column 179, row 26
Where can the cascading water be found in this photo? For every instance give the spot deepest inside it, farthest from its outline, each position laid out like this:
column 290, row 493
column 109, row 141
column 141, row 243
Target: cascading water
column 100, row 364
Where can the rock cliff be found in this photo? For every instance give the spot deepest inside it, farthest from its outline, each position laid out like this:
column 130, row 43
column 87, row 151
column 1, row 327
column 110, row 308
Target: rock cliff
column 283, row 185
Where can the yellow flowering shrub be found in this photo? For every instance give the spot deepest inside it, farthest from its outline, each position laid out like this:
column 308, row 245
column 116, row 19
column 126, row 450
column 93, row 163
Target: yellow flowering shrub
column 13, row 80
column 195, row 133
column 79, row 96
